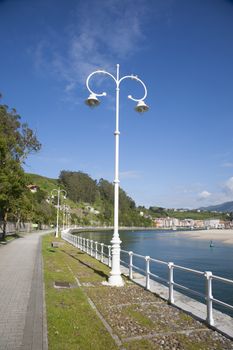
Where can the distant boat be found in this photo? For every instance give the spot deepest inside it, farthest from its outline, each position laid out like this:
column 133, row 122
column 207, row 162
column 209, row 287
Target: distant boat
column 174, row 228
column 211, row 244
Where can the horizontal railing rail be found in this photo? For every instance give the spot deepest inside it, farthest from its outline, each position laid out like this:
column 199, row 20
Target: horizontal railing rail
column 102, row 252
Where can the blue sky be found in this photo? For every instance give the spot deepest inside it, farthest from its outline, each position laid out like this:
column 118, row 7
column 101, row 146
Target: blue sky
column 180, row 153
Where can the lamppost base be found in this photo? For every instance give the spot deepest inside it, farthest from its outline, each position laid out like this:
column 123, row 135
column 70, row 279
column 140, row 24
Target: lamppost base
column 114, row 281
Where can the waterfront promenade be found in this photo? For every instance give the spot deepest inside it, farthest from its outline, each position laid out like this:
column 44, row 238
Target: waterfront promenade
column 88, row 315
column 22, row 321
column 133, row 317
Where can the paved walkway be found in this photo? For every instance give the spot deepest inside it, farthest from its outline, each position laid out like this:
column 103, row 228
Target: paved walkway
column 22, row 320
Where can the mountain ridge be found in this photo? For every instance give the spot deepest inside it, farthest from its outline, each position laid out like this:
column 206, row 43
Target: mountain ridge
column 225, row 207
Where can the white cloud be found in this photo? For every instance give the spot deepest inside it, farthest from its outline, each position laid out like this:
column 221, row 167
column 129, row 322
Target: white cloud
column 228, row 186
column 100, row 35
column 204, row 195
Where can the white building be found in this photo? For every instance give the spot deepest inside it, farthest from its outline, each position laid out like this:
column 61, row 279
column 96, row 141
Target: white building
column 213, row 223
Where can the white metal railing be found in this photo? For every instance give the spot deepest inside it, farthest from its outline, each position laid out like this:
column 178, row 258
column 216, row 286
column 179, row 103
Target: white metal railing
column 99, row 251
column 102, row 252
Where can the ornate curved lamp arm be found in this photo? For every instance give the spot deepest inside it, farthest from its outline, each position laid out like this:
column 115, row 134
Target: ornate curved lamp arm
column 54, row 191
column 98, row 72
column 64, row 191
column 134, row 77
column 118, row 82
column 58, row 192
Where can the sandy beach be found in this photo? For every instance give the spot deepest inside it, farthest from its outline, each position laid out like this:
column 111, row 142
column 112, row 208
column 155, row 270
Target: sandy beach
column 224, row 236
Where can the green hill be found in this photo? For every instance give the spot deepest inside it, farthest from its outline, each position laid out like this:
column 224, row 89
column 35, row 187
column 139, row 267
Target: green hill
column 44, row 183
column 90, row 201
column 226, row 207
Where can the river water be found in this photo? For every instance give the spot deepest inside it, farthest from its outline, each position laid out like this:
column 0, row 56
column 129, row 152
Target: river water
column 187, row 252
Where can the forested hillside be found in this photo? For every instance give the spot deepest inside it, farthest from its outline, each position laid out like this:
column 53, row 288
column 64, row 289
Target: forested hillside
column 90, row 202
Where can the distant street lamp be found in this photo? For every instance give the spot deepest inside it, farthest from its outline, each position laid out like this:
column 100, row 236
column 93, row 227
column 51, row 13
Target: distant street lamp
column 92, row 101
column 58, row 192
column 63, row 208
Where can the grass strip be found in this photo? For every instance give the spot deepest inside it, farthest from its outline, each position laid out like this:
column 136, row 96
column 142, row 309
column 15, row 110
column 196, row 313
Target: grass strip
column 71, row 322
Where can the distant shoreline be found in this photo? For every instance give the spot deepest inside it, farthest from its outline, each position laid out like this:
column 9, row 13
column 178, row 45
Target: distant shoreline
column 220, row 235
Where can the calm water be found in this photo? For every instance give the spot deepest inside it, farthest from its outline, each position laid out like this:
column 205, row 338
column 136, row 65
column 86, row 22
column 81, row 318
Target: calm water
column 170, row 246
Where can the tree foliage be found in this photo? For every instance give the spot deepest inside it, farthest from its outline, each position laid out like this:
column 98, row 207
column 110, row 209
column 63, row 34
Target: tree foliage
column 80, row 186
column 17, row 140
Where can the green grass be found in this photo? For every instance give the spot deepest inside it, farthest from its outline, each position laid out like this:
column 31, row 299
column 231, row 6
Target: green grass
column 139, row 317
column 72, row 323
column 43, row 182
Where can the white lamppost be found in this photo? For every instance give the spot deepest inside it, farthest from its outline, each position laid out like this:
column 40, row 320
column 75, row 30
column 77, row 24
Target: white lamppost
column 92, row 101
column 63, row 216
column 58, row 192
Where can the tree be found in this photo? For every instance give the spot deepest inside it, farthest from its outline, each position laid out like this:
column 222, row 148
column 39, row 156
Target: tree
column 17, row 141
column 80, row 186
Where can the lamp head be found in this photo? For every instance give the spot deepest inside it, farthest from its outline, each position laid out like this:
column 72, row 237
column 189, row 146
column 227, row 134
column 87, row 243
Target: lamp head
column 141, row 107
column 92, row 101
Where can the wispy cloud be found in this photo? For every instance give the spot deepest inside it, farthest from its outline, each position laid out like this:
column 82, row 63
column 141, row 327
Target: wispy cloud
column 228, row 187
column 101, row 33
column 130, row 174
column 227, row 165
column 204, row 195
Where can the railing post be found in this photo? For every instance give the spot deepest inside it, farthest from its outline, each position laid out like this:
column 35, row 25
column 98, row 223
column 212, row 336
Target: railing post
column 91, row 247
column 96, row 250
column 209, row 298
column 109, row 255
column 102, row 252
column 84, row 244
column 78, row 242
column 147, row 258
column 130, row 265
column 171, row 282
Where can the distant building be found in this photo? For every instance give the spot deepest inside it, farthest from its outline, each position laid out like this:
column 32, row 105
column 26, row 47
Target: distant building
column 33, row 188
column 214, row 223
column 92, row 210
column 199, row 224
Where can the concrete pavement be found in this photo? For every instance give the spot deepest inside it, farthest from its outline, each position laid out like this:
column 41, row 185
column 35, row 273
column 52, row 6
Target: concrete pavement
column 22, row 309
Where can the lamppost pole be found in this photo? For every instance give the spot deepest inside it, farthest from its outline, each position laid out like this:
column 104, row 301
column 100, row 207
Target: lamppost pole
column 58, row 192
column 92, row 101
column 63, row 218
